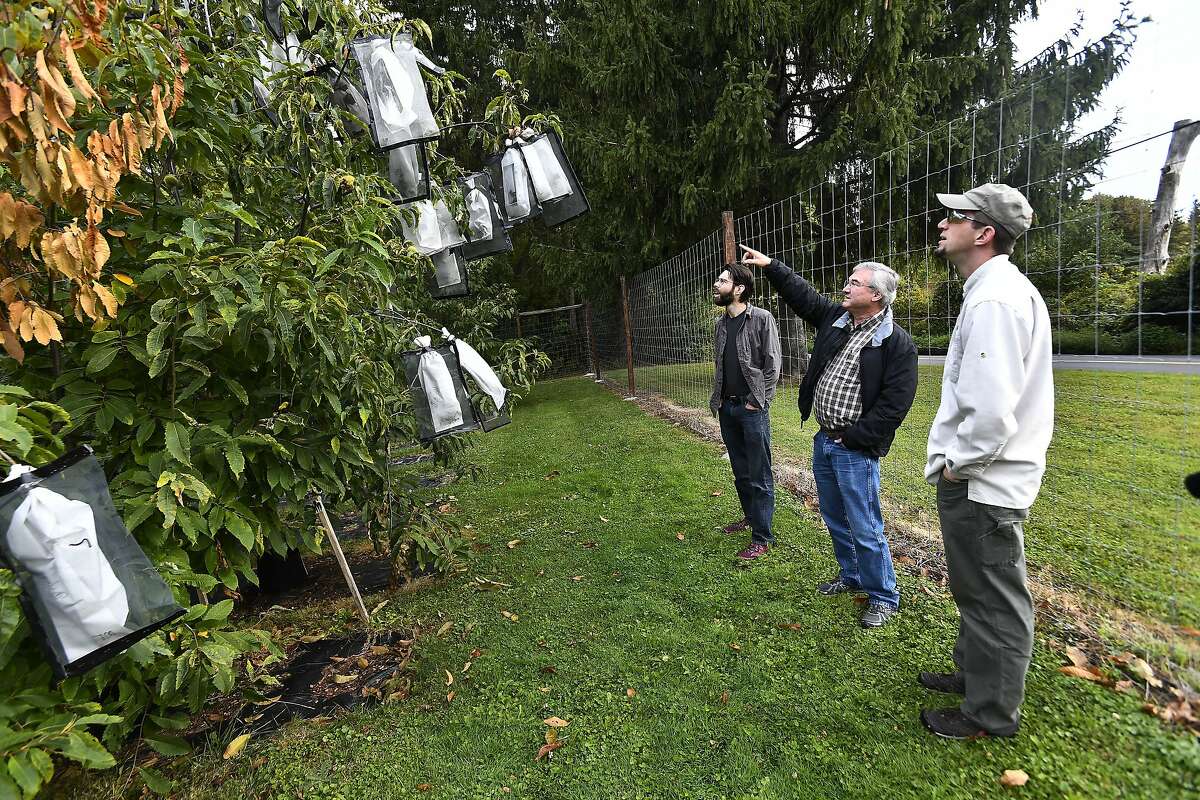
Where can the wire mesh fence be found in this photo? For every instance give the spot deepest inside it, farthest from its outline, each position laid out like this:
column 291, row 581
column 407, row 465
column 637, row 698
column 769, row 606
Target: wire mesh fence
column 1113, row 519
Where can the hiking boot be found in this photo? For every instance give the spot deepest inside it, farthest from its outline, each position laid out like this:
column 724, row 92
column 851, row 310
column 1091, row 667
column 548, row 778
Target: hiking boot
column 877, row 614
column 755, row 550
column 736, row 527
column 836, row 586
column 951, row 723
column 946, row 682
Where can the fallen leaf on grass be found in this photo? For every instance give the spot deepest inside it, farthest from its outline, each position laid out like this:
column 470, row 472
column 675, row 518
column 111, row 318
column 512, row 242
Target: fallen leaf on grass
column 604, row 519
column 725, row 698
column 236, row 746
column 449, row 697
column 1014, row 777
column 553, row 474
column 790, row 626
column 1080, row 672
column 362, row 663
column 1125, row 686
column 513, row 543
column 476, row 653
column 551, row 735
column 735, row 647
column 716, row 493
column 547, row 749
column 424, row 787
column 589, row 544
column 548, row 670
column 679, row 536
column 556, row 722
column 508, row 615
column 379, row 607
column 380, row 650
column 544, row 689
column 1150, row 709
column 630, row 692
column 442, row 630
column 576, row 578
column 466, row 667
column 1190, row 631
column 344, row 678
column 487, row 585
column 1144, row 671
column 1077, row 656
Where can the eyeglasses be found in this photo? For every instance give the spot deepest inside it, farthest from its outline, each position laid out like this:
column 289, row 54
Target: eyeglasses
column 858, row 283
column 955, row 215
column 723, row 280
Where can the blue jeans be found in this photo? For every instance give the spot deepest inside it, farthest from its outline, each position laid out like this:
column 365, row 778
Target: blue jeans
column 848, row 489
column 747, row 437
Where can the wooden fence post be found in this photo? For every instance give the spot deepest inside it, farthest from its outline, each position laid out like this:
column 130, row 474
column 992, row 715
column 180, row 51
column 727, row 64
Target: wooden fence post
column 628, row 338
column 730, row 245
column 519, row 325
column 323, row 517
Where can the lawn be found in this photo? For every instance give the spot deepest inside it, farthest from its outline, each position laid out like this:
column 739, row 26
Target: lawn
column 621, row 581
column 1112, row 517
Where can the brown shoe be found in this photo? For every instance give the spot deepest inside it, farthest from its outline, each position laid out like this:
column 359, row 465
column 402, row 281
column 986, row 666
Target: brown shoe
column 752, row 552
column 736, row 527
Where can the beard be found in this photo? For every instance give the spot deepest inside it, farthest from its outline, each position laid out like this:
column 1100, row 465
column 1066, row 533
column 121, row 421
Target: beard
column 722, row 299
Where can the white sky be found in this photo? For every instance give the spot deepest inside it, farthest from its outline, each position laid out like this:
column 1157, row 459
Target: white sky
column 1155, row 89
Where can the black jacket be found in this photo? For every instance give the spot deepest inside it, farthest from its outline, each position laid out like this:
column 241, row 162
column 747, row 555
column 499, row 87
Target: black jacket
column 887, row 367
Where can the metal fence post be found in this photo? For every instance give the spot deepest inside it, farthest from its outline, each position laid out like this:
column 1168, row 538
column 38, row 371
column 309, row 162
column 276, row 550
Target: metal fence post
column 628, row 338
column 591, row 341
column 519, row 325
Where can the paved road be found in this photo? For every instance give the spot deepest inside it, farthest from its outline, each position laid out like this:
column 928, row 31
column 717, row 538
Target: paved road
column 1180, row 365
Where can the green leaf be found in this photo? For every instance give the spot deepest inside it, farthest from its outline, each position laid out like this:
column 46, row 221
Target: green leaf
column 42, row 763
column 101, row 359
column 239, row 212
column 237, row 390
column 99, row 719
column 165, row 502
column 155, row 781
column 85, row 749
column 16, row 391
column 219, row 612
column 195, row 231
column 241, row 531
column 179, row 442
column 233, row 454
column 8, row 789
column 168, row 745
column 24, row 773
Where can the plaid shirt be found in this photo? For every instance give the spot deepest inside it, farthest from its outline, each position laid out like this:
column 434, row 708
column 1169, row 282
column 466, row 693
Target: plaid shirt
column 837, row 400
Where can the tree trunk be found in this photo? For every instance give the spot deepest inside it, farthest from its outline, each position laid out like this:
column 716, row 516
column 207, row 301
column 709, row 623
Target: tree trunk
column 1154, row 257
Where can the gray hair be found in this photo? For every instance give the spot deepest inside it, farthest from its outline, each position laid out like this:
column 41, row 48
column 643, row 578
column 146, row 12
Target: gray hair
column 883, row 280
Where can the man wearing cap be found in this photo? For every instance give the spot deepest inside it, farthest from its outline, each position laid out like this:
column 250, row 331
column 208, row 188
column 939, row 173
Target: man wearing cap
column 986, row 455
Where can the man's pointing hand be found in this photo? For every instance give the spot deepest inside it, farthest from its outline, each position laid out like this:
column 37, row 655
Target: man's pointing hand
column 754, row 258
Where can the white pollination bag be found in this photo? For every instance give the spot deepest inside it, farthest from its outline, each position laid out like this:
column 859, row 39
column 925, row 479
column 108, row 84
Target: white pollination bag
column 440, row 403
column 55, row 539
column 439, row 388
column 479, row 214
column 487, row 234
column 475, row 366
column 434, row 229
column 550, row 180
column 519, row 202
column 400, row 110
column 88, row 590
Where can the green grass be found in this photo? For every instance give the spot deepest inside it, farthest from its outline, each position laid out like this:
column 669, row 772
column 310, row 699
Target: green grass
column 828, row 711
column 1112, row 517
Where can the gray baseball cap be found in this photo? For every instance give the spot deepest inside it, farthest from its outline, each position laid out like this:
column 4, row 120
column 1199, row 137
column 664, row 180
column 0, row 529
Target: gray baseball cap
column 1003, row 205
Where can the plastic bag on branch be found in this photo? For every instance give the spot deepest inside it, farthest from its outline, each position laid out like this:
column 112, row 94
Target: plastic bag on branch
column 517, row 196
column 492, row 405
column 408, row 172
column 486, row 232
column 275, row 58
column 347, row 96
column 440, row 401
column 434, row 228
column 449, row 277
column 558, row 206
column 400, row 111
column 89, row 591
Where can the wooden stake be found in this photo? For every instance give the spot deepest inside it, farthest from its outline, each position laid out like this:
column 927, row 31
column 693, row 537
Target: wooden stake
column 323, row 516
column 628, row 338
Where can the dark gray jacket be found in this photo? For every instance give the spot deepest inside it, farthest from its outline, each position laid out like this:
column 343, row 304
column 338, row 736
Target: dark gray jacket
column 758, row 352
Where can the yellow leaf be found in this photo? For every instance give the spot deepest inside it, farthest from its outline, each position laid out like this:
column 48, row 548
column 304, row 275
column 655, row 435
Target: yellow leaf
column 442, row 630
column 1080, row 672
column 123, row 278
column 1014, row 777
column 513, row 543
column 45, row 329
column 344, row 678
column 77, row 77
column 1144, row 671
column 449, row 678
column 551, row 735
column 49, row 73
column 236, row 746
